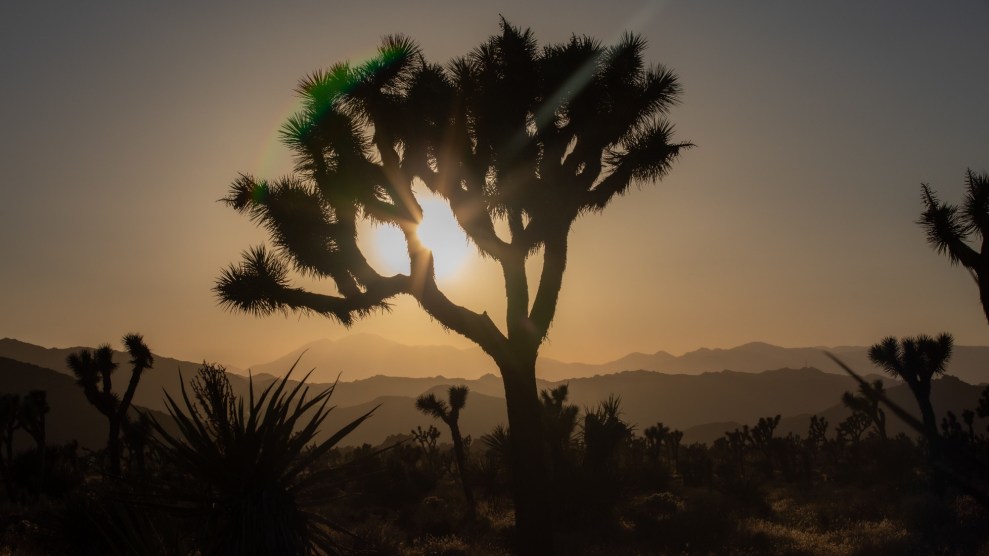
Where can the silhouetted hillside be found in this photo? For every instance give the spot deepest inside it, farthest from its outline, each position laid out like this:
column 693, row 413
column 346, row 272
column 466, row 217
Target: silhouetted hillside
column 970, row 363
column 164, row 376
column 71, row 416
column 689, row 402
column 365, row 355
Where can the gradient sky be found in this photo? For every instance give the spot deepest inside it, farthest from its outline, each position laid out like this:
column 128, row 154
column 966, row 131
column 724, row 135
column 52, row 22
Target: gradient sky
column 791, row 222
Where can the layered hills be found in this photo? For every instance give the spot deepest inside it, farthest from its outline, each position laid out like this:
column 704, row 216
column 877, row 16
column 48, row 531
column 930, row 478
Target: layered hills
column 364, row 355
column 704, row 404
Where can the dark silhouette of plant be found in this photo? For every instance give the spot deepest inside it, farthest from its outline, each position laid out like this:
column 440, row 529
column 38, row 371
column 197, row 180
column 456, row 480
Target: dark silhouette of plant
column 735, row 444
column 673, row 442
column 9, row 422
column 510, row 132
column 982, row 410
column 449, row 413
column 604, row 434
column 560, row 426
column 761, row 438
column 953, row 431
column 817, row 431
column 426, row 438
column 950, row 227
column 852, row 428
column 214, row 396
column 495, row 470
column 136, row 435
column 655, row 438
column 31, row 416
column 916, row 361
column 93, row 370
column 660, row 440
column 868, row 404
column 254, row 485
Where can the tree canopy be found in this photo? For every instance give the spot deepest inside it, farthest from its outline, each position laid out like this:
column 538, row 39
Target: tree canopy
column 530, row 136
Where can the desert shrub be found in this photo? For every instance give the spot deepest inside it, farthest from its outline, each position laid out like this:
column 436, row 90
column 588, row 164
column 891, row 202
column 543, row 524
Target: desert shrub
column 250, row 479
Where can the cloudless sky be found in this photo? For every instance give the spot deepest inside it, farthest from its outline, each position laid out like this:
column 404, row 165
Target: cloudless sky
column 791, row 222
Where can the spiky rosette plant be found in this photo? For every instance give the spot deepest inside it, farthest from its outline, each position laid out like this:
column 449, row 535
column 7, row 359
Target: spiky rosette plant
column 253, row 484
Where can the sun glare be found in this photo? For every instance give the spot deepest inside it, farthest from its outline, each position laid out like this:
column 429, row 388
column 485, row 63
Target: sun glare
column 439, row 232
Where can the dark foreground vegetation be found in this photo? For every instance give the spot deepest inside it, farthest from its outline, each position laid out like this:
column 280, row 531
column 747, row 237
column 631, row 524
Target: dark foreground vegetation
column 244, row 476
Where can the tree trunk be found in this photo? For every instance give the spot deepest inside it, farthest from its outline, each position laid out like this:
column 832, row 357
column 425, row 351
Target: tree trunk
column 982, row 278
column 530, row 477
column 113, row 448
column 461, row 455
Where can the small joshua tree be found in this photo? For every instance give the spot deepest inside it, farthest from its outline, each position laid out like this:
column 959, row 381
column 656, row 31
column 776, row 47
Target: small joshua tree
column 94, row 370
column 916, row 361
column 449, row 413
column 867, row 403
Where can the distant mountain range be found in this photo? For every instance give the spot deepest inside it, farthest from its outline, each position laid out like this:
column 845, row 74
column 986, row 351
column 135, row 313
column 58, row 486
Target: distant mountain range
column 704, row 405
column 362, row 356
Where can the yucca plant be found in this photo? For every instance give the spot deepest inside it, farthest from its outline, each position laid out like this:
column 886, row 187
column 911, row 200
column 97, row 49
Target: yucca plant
column 252, row 483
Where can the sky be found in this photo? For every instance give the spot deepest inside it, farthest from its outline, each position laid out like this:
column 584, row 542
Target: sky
column 791, row 222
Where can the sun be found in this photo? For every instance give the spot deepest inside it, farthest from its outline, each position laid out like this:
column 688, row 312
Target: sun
column 438, row 231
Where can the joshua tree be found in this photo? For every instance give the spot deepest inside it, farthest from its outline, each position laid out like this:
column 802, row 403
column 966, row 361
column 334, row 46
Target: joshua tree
column 949, row 228
column 982, row 410
column 656, row 436
column 817, row 432
column 560, row 424
column 450, row 414
column 603, row 433
column 509, row 134
column 31, row 415
column 853, row 427
column 9, row 422
column 94, row 370
column 916, row 361
column 868, row 404
column 761, row 437
column 673, row 441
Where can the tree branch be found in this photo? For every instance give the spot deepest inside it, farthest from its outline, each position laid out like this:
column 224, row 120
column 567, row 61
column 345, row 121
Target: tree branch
column 550, row 282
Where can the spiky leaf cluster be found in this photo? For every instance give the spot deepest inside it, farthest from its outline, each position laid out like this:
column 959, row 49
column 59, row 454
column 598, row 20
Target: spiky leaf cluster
column 915, row 360
column 950, row 227
column 251, row 477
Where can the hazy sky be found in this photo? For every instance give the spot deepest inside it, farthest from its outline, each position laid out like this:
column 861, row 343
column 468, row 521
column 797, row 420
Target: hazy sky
column 791, row 222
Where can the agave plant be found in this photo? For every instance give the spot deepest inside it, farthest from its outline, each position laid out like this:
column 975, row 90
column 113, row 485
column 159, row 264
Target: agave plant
column 253, row 483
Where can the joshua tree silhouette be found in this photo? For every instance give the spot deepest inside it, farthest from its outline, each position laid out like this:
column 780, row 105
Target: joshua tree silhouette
column 93, row 370
column 560, row 422
column 949, row 227
column 31, row 415
column 509, row 133
column 867, row 403
column 916, row 361
column 449, row 413
column 9, row 422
